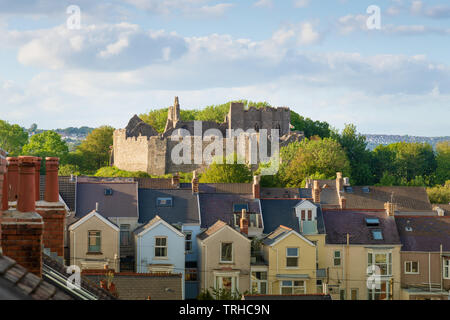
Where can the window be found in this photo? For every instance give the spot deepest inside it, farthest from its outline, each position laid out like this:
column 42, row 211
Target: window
column 446, row 268
column 188, row 241
column 372, row 222
column 319, row 286
column 108, row 192
column 381, row 260
column 191, row 274
column 377, row 235
column 164, row 202
column 354, row 294
column 292, row 257
column 293, row 287
column 94, row 241
column 309, row 215
column 381, row 292
column 160, row 247
column 337, row 258
column 411, row 267
column 239, row 207
column 226, row 253
column 259, row 282
column 303, row 215
column 125, row 235
column 342, row 294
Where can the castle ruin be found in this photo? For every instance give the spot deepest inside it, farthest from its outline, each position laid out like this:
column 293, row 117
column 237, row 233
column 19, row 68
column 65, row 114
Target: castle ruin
column 139, row 147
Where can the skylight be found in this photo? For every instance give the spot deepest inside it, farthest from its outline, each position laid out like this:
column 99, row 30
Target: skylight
column 164, row 202
column 371, row 222
column 108, row 192
column 239, row 206
column 348, row 189
column 366, row 189
column 377, row 234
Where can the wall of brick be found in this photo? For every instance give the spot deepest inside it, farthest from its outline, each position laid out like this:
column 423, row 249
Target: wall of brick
column 54, row 216
column 2, row 177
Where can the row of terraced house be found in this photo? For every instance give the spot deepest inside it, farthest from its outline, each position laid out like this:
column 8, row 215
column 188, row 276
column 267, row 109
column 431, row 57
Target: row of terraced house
column 165, row 239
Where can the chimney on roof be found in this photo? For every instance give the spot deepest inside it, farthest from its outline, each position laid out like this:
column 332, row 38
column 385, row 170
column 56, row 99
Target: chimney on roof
column 176, row 180
column 3, row 185
column 339, row 181
column 256, row 187
column 343, row 202
column 51, row 180
column 244, row 222
column 96, row 207
column 37, row 179
column 316, row 192
column 194, row 182
column 22, row 229
column 13, row 178
column 390, row 208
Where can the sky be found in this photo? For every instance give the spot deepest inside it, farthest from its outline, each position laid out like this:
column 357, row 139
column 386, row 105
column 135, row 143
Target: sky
column 321, row 58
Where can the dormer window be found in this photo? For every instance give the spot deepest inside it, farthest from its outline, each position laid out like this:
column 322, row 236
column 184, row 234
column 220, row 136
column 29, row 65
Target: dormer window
column 372, row 222
column 164, row 202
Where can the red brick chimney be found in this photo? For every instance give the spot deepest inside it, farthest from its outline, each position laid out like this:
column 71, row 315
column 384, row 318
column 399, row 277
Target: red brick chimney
column 256, row 187
column 316, row 192
column 194, row 182
column 21, row 236
column 176, row 180
column 37, row 179
column 52, row 210
column 3, row 184
column 343, row 202
column 244, row 222
column 51, row 180
column 13, row 178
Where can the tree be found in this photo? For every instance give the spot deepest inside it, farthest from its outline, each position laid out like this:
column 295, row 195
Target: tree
column 156, row 118
column 113, row 172
column 94, row 152
column 442, row 162
column 310, row 127
column 355, row 146
column 12, row 138
column 440, row 194
column 313, row 158
column 47, row 144
column 229, row 171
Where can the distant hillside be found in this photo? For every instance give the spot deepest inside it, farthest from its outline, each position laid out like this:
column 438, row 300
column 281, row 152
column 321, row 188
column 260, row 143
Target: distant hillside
column 376, row 139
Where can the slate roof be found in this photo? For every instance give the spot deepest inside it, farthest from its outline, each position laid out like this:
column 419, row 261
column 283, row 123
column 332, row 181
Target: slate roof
column 211, row 230
column 135, row 286
column 427, row 233
column 155, row 183
column 215, row 207
column 276, row 234
column 16, row 283
column 328, row 196
column 184, row 207
column 407, row 198
column 280, row 193
column 338, row 223
column 282, row 212
column 122, row 203
column 237, row 188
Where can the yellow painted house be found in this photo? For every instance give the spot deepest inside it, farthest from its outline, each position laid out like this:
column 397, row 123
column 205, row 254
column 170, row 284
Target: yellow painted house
column 292, row 262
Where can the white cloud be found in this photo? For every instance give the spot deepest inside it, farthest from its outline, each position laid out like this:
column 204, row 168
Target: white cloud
column 301, row 3
column 434, row 12
column 263, row 3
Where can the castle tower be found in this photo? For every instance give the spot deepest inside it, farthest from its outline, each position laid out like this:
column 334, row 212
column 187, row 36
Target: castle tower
column 173, row 115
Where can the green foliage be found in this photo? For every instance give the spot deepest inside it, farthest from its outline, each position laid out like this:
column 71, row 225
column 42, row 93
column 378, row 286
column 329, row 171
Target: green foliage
column 12, row 138
column 156, row 118
column 442, row 162
column 405, row 162
column 219, row 294
column 309, row 127
column 229, row 171
column 113, row 172
column 66, row 170
column 355, row 146
column 312, row 158
column 94, row 152
column 440, row 194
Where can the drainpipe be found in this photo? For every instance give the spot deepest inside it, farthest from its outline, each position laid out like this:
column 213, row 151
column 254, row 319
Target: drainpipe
column 429, row 270
column 347, row 264
column 204, row 271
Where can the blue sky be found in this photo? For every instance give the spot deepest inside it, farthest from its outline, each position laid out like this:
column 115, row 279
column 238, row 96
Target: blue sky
column 317, row 57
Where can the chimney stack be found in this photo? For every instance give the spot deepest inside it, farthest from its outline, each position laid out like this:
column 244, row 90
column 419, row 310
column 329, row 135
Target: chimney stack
column 194, row 182
column 390, row 208
column 244, row 222
column 316, row 192
column 256, row 187
column 13, row 178
column 37, row 179
column 4, row 184
column 176, row 180
column 22, row 229
column 26, row 194
column 343, row 202
column 51, row 180
column 339, row 181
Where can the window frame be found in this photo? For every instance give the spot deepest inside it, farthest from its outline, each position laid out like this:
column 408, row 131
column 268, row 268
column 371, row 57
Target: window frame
column 186, row 241
column 296, row 257
column 128, row 231
column 337, row 258
column 351, row 294
column 411, row 264
column 446, row 268
column 258, row 282
column 221, row 252
column 166, row 246
column 388, row 262
column 293, row 287
column 99, row 240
